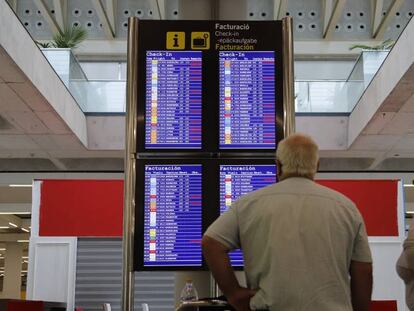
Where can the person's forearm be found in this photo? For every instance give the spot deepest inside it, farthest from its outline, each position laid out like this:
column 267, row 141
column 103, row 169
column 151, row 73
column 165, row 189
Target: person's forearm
column 361, row 287
column 219, row 263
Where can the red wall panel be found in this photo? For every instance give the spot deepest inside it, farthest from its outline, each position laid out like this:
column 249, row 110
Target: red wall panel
column 81, row 208
column 375, row 199
column 94, row 207
column 386, row 305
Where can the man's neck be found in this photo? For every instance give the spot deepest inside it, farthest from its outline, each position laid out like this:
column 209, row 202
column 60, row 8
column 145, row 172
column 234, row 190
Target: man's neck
column 286, row 176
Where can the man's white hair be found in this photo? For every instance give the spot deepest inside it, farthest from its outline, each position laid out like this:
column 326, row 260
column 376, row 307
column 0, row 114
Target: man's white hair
column 298, row 154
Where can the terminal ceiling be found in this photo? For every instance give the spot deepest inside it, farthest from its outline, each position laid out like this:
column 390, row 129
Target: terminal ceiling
column 30, row 145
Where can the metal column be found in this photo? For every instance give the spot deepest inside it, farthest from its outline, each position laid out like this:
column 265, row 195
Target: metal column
column 288, row 78
column 127, row 303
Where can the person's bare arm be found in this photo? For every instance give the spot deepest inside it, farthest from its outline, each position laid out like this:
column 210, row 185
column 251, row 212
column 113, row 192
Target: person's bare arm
column 361, row 285
column 216, row 255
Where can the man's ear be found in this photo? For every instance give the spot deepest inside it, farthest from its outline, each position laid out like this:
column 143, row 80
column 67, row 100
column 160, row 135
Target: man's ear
column 278, row 169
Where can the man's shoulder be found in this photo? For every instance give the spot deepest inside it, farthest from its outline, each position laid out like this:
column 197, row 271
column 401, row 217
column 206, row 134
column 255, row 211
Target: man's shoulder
column 300, row 187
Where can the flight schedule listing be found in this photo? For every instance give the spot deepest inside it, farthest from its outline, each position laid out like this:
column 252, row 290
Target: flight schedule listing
column 247, row 100
column 173, row 100
column 238, row 180
column 172, row 215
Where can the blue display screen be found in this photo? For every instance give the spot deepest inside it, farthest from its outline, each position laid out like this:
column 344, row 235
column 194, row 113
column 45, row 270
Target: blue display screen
column 173, row 100
column 238, row 180
column 247, row 100
column 173, row 215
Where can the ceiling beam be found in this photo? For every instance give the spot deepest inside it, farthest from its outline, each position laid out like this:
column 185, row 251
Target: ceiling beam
column 111, row 6
column 327, row 9
column 17, row 208
column 13, row 5
column 60, row 12
column 283, row 5
column 42, row 7
column 103, row 17
column 276, row 6
column 377, row 7
column 382, row 28
column 158, row 7
column 333, row 20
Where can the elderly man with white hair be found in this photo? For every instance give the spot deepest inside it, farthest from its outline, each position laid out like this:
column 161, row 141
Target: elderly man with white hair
column 305, row 246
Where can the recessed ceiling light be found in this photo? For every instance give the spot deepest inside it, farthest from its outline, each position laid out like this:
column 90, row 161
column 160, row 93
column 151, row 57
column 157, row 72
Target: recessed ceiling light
column 4, row 227
column 25, row 230
column 409, row 212
column 23, row 241
column 408, row 185
column 13, row 225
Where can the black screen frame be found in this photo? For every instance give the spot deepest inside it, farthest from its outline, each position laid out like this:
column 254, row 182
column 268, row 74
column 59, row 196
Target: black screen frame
column 210, row 202
column 151, row 37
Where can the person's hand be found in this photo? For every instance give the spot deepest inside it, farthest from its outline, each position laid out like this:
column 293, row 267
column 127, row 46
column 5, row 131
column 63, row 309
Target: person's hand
column 240, row 299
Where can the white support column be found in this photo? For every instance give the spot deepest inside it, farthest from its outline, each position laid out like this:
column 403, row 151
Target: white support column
column 12, row 280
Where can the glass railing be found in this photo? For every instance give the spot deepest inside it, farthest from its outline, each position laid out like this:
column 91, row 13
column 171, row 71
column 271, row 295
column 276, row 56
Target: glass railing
column 99, row 96
column 323, row 96
column 92, row 96
column 327, row 96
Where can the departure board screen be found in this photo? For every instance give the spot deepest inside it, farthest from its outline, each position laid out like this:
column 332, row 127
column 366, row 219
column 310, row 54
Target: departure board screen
column 173, row 100
column 172, row 215
column 247, row 100
column 238, row 180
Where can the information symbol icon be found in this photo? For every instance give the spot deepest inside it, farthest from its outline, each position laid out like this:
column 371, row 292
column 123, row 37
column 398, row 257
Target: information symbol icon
column 175, row 40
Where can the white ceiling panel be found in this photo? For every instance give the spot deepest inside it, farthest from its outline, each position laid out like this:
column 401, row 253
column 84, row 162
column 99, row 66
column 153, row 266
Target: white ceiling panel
column 17, row 142
column 9, row 101
column 53, row 122
column 402, row 123
column 378, row 122
column 31, row 96
column 8, row 70
column 406, row 143
column 409, row 105
column 28, row 121
column 57, row 142
column 375, row 142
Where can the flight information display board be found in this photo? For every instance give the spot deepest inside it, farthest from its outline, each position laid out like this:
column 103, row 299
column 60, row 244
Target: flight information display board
column 172, row 215
column 173, row 100
column 238, row 180
column 247, row 100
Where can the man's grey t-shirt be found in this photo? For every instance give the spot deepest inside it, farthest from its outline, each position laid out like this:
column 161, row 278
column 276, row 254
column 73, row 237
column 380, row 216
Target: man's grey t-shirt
column 298, row 239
